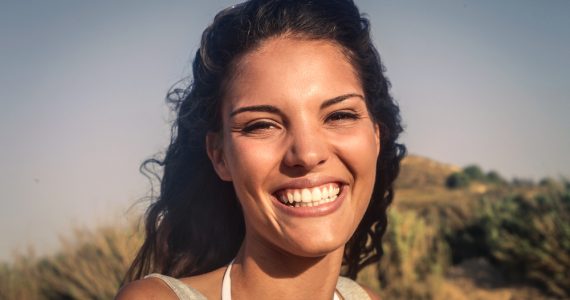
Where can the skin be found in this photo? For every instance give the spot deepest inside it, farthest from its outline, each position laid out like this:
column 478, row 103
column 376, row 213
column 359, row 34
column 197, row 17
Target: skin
column 314, row 126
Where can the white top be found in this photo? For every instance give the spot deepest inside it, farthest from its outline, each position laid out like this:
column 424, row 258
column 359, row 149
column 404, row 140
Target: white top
column 346, row 288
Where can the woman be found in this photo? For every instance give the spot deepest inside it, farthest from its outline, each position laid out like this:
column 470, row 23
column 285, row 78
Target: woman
column 281, row 164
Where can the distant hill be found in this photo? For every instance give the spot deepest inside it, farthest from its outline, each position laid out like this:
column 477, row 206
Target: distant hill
column 417, row 171
column 421, row 187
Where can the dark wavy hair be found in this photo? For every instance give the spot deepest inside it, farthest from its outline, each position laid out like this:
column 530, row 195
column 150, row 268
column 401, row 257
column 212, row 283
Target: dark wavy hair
column 196, row 224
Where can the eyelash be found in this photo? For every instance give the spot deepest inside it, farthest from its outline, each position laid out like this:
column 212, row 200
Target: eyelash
column 333, row 117
column 342, row 115
column 257, row 126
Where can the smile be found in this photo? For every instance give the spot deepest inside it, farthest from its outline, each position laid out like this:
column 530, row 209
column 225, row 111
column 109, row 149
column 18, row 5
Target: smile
column 309, row 197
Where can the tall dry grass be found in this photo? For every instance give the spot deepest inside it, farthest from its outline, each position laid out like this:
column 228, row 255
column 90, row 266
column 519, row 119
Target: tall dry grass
column 415, row 258
column 89, row 265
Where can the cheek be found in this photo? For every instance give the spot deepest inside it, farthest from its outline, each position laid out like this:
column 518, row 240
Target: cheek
column 250, row 162
column 359, row 151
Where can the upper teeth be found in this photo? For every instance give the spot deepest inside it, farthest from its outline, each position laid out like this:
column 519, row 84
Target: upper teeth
column 309, row 196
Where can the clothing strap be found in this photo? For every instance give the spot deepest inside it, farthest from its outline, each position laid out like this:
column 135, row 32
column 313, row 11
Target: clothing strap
column 227, row 282
column 346, row 287
column 182, row 291
column 349, row 289
column 227, row 285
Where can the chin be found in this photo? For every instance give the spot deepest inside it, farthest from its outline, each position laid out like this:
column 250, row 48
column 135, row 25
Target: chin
column 317, row 244
column 318, row 251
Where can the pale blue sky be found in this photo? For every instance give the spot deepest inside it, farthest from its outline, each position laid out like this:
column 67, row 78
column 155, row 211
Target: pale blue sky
column 82, row 85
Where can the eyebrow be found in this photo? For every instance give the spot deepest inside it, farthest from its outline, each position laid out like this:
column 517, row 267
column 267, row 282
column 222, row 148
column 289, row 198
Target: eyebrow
column 339, row 99
column 275, row 110
column 256, row 108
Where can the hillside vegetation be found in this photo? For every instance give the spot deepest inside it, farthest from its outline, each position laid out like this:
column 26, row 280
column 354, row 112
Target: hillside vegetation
column 453, row 233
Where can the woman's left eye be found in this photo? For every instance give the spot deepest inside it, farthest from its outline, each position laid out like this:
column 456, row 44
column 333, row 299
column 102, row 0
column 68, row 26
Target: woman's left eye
column 342, row 115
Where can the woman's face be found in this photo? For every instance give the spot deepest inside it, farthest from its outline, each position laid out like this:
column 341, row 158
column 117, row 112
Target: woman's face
column 298, row 144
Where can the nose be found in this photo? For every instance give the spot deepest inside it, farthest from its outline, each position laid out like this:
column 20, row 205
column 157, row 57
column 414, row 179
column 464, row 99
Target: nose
column 307, row 149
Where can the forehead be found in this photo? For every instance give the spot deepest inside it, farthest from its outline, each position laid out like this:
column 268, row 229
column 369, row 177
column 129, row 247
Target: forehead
column 291, row 68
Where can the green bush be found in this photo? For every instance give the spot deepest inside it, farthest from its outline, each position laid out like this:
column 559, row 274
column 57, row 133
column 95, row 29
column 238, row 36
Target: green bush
column 553, row 184
column 474, row 172
column 457, row 180
column 523, row 182
column 530, row 239
column 415, row 257
column 495, row 178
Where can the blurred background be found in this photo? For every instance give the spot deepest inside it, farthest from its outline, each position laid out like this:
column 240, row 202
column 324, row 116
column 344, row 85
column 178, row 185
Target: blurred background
column 483, row 86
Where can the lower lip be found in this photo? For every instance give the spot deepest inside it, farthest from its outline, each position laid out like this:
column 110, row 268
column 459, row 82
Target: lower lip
column 313, row 211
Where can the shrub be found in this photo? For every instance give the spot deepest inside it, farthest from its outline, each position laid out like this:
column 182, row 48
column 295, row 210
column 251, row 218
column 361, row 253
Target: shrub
column 457, row 180
column 90, row 266
column 474, row 172
column 93, row 267
column 18, row 280
column 530, row 239
column 552, row 184
column 522, row 182
column 495, row 178
column 467, row 242
column 414, row 260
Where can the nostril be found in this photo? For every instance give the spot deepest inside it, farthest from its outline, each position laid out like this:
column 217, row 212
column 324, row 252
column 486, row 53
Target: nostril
column 307, row 149
column 306, row 160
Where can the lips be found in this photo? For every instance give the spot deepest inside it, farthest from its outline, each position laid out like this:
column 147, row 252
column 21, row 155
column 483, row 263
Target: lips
column 309, row 197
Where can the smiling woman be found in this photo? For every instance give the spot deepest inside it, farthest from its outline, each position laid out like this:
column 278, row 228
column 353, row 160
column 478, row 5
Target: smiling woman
column 282, row 161
column 295, row 128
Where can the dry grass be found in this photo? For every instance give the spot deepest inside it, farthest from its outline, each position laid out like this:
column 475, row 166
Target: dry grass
column 415, row 258
column 90, row 265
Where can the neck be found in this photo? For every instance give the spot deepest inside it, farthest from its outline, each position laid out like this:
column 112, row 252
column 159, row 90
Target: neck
column 265, row 272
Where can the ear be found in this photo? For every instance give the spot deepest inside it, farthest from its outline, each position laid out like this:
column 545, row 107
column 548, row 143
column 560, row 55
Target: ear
column 216, row 154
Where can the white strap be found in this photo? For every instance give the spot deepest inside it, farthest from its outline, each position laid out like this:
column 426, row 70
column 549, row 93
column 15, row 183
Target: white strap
column 182, row 291
column 227, row 284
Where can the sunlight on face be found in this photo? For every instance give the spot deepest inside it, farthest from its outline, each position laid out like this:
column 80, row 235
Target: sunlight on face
column 299, row 146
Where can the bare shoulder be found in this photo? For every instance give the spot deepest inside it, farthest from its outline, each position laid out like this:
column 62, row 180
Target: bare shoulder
column 373, row 295
column 148, row 288
column 207, row 284
column 153, row 288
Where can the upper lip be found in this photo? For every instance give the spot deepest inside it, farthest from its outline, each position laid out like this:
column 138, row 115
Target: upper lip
column 309, row 182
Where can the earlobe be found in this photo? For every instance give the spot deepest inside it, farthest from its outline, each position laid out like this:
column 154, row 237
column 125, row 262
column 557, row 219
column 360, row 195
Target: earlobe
column 216, row 155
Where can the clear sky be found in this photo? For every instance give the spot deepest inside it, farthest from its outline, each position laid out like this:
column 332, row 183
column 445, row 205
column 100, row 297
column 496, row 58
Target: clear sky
column 82, row 85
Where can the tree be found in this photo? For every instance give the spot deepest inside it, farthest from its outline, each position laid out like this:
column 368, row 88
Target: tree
column 474, row 172
column 457, row 180
column 495, row 177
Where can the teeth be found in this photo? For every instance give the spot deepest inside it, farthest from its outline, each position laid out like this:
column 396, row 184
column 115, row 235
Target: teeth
column 325, row 193
column 290, row 197
column 309, row 196
column 316, row 194
column 297, row 196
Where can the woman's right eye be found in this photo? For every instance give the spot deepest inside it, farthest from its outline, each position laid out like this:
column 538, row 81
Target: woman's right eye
column 258, row 127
